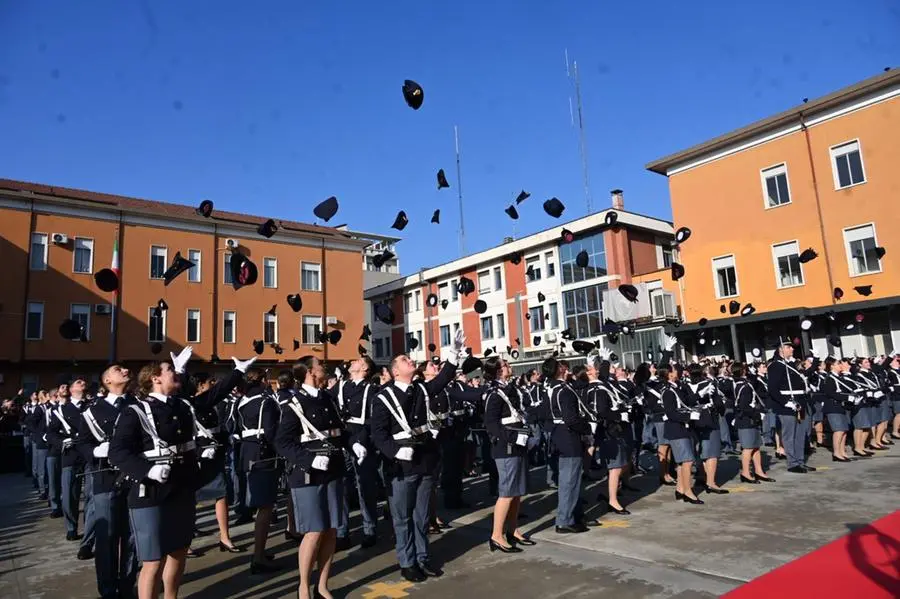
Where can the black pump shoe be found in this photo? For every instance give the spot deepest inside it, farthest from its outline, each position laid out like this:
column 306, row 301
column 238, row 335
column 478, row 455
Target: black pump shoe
column 713, row 491
column 514, row 540
column 223, row 548
column 498, row 547
column 687, row 499
column 749, row 481
column 621, row 512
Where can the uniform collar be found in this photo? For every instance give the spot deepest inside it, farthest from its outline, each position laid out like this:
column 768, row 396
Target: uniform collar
column 158, row 396
column 401, row 385
column 310, row 390
column 111, row 398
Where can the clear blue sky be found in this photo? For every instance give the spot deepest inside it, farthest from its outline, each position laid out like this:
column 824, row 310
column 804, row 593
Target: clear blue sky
column 269, row 107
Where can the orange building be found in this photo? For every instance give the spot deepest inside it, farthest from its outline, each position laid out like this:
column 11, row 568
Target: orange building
column 54, row 240
column 823, row 175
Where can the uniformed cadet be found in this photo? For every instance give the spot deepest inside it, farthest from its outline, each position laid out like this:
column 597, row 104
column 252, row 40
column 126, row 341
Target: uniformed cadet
column 37, row 426
column 461, row 400
column 678, row 418
column 705, row 394
column 115, row 560
column 613, row 433
column 789, row 394
column 401, row 432
column 873, row 423
column 310, row 437
column 236, row 479
column 749, row 410
column 892, row 366
column 839, row 397
column 257, row 424
column 54, row 452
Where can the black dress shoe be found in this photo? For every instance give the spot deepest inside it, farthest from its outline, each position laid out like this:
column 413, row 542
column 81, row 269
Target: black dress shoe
column 495, row 546
column 749, row 481
column 85, row 553
column 797, row 469
column 43, row 497
column 834, row 458
column 593, row 523
column 780, row 456
column 713, row 491
column 621, row 512
column 809, row 468
column 879, row 448
column 262, row 567
column 514, row 540
column 413, row 574
column 223, row 548
column 679, row 495
column 56, row 514
column 343, row 544
column 430, row 570
column 444, row 525
column 191, row 553
column 368, row 541
column 72, row 536
column 765, row 479
column 579, row 527
column 697, row 501
column 861, row 454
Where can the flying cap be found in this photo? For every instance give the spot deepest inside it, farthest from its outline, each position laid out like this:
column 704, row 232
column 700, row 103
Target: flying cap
column 432, row 347
column 381, row 258
column 480, row 306
column 541, row 297
column 627, row 330
column 677, row 271
column 536, row 340
column 734, row 307
column 880, row 252
column 326, row 209
column 528, row 316
column 515, row 258
column 278, row 349
column 361, row 350
column 834, row 340
column 582, row 346
column 567, row 236
column 107, row 280
column 682, row 234
column 413, row 94
column 155, row 348
column 401, row 221
column 582, row 259
column 756, row 352
column 471, row 364
column 523, row 195
column 366, row 333
column 442, row 179
column 205, row 208
column 384, row 313
column 613, row 337
column 267, row 229
column 747, row 310
column 436, row 217
column 554, row 207
column 431, row 300
column 243, row 271
column 411, row 342
column 295, row 302
column 179, row 265
column 445, row 303
column 611, row 218
column 863, row 290
column 296, row 345
column 332, row 337
column 514, row 354
column 702, row 322
column 838, row 293
column 488, row 352
column 806, row 324
column 529, row 272
column 512, row 212
column 630, row 292
column 465, row 286
column 723, row 309
column 71, row 330
column 273, row 310
column 807, row 255
column 258, row 346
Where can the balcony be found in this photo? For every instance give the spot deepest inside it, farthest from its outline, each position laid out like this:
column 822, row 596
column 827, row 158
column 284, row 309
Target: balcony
column 662, row 305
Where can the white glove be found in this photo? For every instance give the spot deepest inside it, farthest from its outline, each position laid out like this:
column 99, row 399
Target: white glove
column 208, row 453
column 792, row 405
column 695, row 415
column 243, row 365
column 457, row 355
column 624, row 416
column 338, row 374
column 593, row 427
column 360, row 452
column 522, row 439
column 159, row 473
column 670, row 342
column 102, row 450
column 878, row 394
column 856, row 399
column 320, row 462
column 815, row 353
column 67, row 443
column 639, row 400
column 405, row 454
column 604, row 353
column 434, row 432
column 179, row 361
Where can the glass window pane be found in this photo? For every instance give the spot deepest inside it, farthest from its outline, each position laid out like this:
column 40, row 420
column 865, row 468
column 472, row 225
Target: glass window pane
column 783, row 196
column 501, row 326
column 856, row 170
column 843, row 171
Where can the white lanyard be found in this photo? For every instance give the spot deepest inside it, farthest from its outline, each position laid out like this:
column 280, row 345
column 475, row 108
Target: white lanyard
column 310, row 432
column 755, row 403
column 147, row 422
column 514, row 414
column 59, row 416
column 199, row 429
column 94, row 426
column 396, row 410
column 869, row 383
column 842, row 384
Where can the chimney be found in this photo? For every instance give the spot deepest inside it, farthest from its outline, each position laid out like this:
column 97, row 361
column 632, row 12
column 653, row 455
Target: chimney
column 508, row 240
column 618, row 200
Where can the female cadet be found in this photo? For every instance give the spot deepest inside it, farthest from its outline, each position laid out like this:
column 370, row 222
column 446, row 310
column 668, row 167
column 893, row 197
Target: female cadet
column 892, row 367
column 310, row 439
column 614, row 447
column 863, row 413
column 838, row 395
column 678, row 432
column 504, row 420
column 704, row 396
column 748, row 420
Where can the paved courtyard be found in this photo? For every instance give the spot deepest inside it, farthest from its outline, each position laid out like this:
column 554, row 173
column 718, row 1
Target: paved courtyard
column 664, row 549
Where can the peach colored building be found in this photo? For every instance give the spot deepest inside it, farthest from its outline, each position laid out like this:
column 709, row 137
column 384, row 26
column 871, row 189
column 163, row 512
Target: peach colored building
column 823, row 175
column 531, row 303
column 54, row 240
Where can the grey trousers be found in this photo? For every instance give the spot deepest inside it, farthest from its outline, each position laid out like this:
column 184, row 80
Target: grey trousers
column 115, row 559
column 367, row 487
column 569, row 492
column 71, row 496
column 793, row 438
column 39, row 468
column 409, row 510
column 53, row 481
column 90, row 518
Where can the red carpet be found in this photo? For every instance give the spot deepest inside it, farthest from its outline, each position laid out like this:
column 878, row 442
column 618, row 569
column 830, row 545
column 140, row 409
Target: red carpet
column 862, row 564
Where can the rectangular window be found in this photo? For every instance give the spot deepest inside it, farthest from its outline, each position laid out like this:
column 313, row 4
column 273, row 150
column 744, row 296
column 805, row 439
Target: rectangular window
column 862, row 252
column 775, row 186
column 228, row 278
column 83, row 256
column 156, row 326
column 662, row 304
column 34, row 321
column 667, row 256
column 487, row 328
column 533, row 269
column 193, row 274
column 378, row 347
column 537, row 318
column 309, row 275
column 454, row 291
column 445, row 335
column 583, row 309
column 38, row 251
column 387, row 346
column 726, row 276
column 444, row 292
column 81, row 313
column 484, row 282
column 593, row 245
column 407, row 303
column 270, row 328
column 193, row 326
column 847, row 165
column 418, row 297
column 551, row 264
column 229, row 327
column 554, row 316
column 455, row 328
column 788, row 270
column 270, row 273
column 312, row 328
column 158, row 260
column 498, row 278
column 419, row 339
column 501, row 326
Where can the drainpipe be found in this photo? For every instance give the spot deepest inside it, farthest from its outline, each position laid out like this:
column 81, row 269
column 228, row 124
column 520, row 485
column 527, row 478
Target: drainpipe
column 812, row 169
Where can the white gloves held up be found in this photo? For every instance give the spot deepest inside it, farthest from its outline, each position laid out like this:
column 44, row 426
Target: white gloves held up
column 695, row 415
column 243, row 365
column 457, row 353
column 405, row 454
column 360, row 451
column 670, row 342
column 102, row 450
column 179, row 361
column 208, row 453
column 159, row 473
column 522, row 440
column 320, row 462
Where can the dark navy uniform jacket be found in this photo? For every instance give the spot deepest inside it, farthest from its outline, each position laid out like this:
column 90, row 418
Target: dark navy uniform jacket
column 502, row 403
column 206, row 407
column 300, row 451
column 786, row 384
column 59, row 433
column 609, row 410
column 174, row 424
column 426, row 452
column 653, row 407
column 569, row 426
column 355, row 400
column 105, row 416
column 36, row 422
column 257, row 415
column 677, row 420
column 837, row 392
column 706, row 396
column 749, row 407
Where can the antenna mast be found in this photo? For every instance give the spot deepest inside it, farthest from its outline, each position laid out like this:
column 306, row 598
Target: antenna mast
column 576, row 78
column 462, row 226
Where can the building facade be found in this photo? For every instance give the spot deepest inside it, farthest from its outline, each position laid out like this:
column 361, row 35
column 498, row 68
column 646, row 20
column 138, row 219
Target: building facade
column 531, row 303
column 55, row 239
column 822, row 175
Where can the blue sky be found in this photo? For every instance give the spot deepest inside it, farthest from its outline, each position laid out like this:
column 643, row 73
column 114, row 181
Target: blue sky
column 270, row 107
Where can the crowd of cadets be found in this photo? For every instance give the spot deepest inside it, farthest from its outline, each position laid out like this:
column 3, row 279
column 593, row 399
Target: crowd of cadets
column 146, row 448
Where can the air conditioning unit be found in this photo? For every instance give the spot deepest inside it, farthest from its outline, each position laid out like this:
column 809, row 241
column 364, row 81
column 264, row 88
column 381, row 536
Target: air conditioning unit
column 232, row 244
column 60, row 238
column 103, row 309
column 550, row 337
column 331, row 320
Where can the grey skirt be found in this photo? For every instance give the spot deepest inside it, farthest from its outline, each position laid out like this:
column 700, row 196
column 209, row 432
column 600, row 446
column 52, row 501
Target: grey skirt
column 262, row 488
column 616, row 452
column 839, row 422
column 886, row 414
column 863, row 418
column 682, row 450
column 512, row 473
column 710, row 444
column 818, row 416
column 896, row 403
column 750, row 438
column 163, row 528
column 214, row 489
column 660, row 433
column 318, row 508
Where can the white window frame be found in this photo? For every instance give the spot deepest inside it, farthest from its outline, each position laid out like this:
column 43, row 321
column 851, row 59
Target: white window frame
column 313, row 266
column 536, row 261
column 165, row 318
column 197, row 266
column 225, row 314
column 490, row 320
column 165, row 257
column 553, row 307
column 550, row 261
column 540, row 309
column 90, row 244
column 28, row 311
column 497, row 277
column 500, row 322
column 303, row 325
column 87, row 311
column 454, row 292
column 773, row 171
column 715, row 273
column 45, row 257
column 661, row 245
column 776, row 254
column 490, row 280
column 834, row 153
column 407, row 302
column 443, row 292
column 274, row 275
column 449, row 335
column 848, row 253
column 187, row 325
column 266, row 317
column 418, row 298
